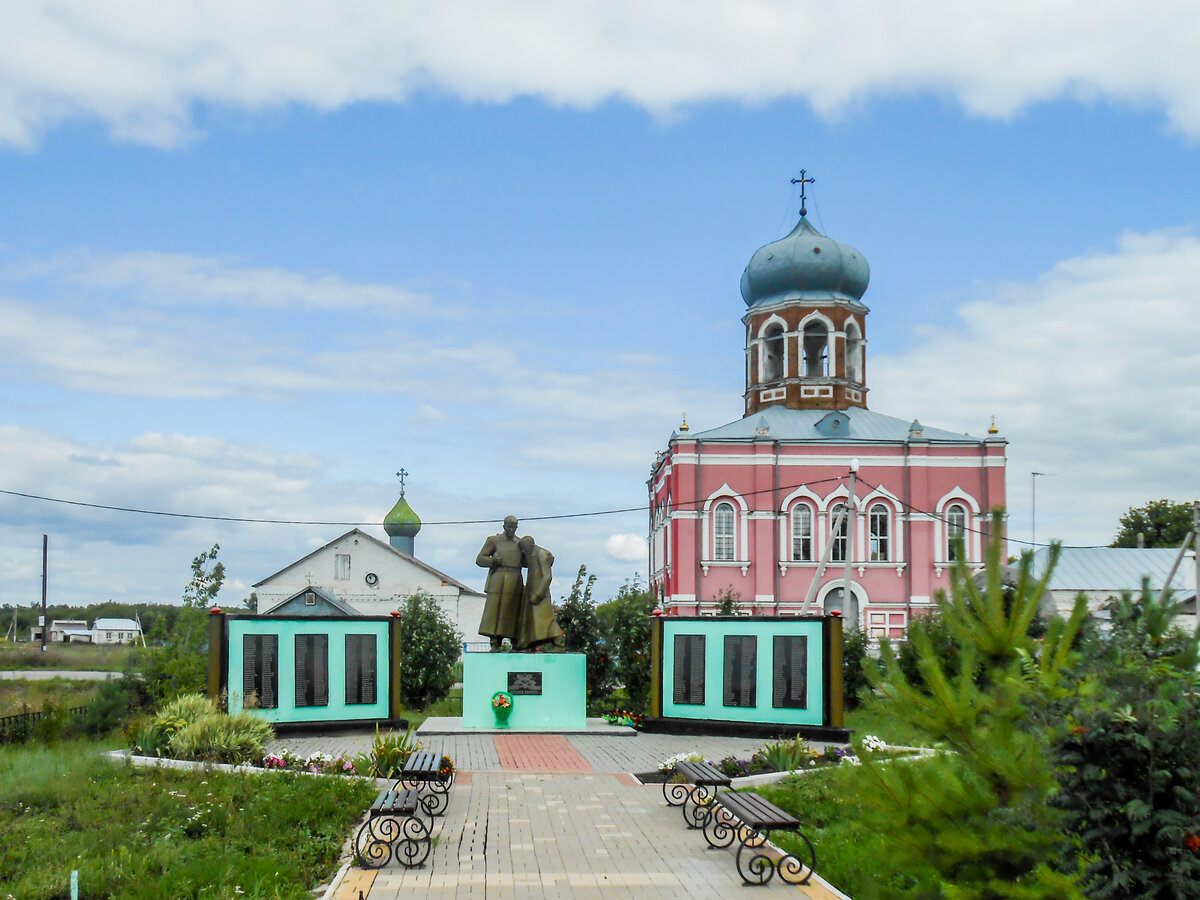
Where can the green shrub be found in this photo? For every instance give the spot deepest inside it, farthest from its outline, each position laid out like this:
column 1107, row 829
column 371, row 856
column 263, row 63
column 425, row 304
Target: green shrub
column 1129, row 760
column 856, row 687
column 625, row 624
column 429, row 648
column 784, row 756
column 391, row 750
column 222, row 738
column 576, row 616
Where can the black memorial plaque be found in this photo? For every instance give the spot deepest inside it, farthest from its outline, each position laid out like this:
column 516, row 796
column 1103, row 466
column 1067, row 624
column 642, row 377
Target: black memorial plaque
column 689, row 669
column 741, row 670
column 791, row 672
column 528, row 684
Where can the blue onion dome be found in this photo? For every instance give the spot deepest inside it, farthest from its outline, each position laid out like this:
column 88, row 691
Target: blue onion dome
column 402, row 521
column 805, row 265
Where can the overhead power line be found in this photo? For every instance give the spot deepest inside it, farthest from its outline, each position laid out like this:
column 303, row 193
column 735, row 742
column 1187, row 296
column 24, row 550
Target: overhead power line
column 257, row 521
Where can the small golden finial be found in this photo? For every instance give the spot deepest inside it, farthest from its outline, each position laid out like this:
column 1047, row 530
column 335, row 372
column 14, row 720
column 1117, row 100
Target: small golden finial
column 684, row 425
column 993, row 429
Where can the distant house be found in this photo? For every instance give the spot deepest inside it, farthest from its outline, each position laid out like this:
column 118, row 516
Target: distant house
column 1102, row 573
column 363, row 574
column 115, row 631
column 61, row 628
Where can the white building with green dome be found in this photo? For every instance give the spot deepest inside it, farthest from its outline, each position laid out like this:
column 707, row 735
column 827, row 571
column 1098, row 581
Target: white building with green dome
column 358, row 574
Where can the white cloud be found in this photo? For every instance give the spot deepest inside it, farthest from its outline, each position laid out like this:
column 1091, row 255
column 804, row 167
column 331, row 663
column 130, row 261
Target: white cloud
column 1093, row 374
column 177, row 279
column 626, row 547
column 138, row 65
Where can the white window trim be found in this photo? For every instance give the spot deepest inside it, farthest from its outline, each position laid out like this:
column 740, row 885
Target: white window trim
column 972, row 544
column 741, row 530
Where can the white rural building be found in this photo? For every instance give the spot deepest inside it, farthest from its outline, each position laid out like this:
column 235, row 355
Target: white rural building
column 372, row 577
column 115, row 631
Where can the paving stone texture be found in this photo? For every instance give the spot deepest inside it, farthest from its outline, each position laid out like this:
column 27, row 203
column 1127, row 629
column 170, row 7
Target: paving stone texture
column 558, row 816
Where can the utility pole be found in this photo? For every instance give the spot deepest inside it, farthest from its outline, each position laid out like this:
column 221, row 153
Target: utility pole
column 849, row 607
column 1196, row 555
column 1033, row 477
column 45, row 556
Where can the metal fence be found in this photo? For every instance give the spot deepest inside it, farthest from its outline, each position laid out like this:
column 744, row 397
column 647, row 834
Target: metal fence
column 14, row 729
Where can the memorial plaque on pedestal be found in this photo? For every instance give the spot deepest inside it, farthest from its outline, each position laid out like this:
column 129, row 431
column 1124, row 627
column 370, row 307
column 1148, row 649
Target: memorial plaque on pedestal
column 525, row 684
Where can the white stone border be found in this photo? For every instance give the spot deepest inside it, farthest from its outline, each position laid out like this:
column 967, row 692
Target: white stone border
column 771, row 777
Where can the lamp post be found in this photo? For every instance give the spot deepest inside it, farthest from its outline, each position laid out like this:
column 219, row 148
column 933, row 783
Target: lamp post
column 1033, row 477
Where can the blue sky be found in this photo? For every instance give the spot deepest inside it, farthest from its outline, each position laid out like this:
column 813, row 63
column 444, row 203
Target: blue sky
column 251, row 265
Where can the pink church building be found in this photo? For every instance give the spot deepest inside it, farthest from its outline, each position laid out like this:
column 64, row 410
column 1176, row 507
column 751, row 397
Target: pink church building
column 761, row 507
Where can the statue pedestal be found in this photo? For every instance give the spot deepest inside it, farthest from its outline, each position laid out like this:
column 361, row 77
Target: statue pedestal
column 549, row 690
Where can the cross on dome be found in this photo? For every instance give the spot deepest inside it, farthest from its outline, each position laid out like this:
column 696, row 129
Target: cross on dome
column 802, row 181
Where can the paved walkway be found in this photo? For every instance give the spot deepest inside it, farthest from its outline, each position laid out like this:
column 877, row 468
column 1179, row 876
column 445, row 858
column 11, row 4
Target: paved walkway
column 559, row 816
column 46, row 674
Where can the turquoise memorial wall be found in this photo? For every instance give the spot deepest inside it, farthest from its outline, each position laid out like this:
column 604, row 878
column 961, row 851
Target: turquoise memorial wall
column 768, row 670
column 317, row 669
column 549, row 690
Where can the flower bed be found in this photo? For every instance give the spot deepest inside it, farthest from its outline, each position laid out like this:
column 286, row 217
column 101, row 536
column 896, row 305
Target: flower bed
column 785, row 756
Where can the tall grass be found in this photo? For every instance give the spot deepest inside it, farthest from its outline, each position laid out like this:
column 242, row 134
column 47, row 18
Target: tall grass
column 18, row 693
column 93, row 657
column 137, row 834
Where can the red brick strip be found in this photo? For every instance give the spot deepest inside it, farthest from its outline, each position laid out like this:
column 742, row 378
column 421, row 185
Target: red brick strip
column 540, row 752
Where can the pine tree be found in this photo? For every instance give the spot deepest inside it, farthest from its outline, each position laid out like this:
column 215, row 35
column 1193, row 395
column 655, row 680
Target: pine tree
column 978, row 813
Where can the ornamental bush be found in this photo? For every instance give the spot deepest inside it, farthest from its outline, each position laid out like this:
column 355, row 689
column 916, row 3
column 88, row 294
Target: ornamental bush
column 576, row 616
column 1129, row 760
column 429, row 648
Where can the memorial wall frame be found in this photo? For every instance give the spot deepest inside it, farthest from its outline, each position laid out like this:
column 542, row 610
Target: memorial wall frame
column 725, row 673
column 309, row 670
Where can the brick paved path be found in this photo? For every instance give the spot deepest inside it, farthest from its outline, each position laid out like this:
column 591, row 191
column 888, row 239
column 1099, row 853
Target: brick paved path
column 554, row 816
column 540, row 752
column 566, row 836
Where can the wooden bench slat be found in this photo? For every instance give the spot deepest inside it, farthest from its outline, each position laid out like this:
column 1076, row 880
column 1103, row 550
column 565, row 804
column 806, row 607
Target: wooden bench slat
column 757, row 812
column 702, row 773
column 395, row 802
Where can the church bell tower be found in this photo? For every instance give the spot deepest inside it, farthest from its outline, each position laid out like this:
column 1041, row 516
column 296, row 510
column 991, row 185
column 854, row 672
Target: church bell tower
column 805, row 321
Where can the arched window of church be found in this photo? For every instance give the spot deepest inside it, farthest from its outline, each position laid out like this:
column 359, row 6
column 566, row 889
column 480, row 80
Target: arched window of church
column 773, row 354
column 839, row 531
column 879, row 520
column 802, row 533
column 723, row 521
column 956, row 531
column 816, row 349
column 854, row 347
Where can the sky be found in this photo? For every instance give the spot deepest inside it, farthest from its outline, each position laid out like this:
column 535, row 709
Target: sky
column 257, row 258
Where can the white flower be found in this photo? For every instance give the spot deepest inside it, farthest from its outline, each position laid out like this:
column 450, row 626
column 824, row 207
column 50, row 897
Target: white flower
column 874, row 744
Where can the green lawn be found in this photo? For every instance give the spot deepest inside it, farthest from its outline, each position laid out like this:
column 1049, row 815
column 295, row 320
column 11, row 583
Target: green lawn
column 851, row 854
column 870, row 718
column 451, row 706
column 138, row 834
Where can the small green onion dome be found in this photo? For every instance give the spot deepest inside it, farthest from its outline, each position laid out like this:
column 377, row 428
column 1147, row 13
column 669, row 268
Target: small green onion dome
column 402, row 521
column 805, row 265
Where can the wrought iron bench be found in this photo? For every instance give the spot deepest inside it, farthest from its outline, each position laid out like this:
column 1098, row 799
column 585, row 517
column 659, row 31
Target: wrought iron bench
column 423, row 770
column 751, row 819
column 393, row 827
column 699, row 787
